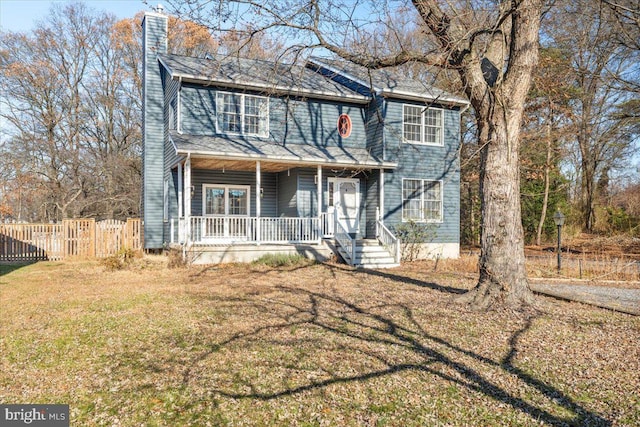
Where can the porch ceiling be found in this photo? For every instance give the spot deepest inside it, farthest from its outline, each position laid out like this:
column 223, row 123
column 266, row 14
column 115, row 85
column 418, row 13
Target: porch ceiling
column 237, row 165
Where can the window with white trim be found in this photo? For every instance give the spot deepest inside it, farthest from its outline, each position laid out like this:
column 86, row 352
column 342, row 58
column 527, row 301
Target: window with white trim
column 225, row 200
column 422, row 125
column 421, row 200
column 242, row 114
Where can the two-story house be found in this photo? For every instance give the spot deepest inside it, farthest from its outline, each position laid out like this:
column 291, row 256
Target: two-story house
column 243, row 157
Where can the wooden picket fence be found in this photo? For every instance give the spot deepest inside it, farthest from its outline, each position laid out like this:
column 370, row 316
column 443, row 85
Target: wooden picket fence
column 71, row 239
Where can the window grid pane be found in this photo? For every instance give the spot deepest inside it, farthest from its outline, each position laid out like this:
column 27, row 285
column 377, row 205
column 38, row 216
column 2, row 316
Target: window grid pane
column 230, row 113
column 411, row 199
column 237, row 201
column 433, row 126
column 214, row 201
column 412, row 123
column 251, row 115
column 432, row 201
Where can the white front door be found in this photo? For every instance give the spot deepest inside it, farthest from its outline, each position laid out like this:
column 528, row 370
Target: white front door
column 345, row 199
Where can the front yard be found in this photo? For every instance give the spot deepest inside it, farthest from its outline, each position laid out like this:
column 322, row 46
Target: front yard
column 304, row 345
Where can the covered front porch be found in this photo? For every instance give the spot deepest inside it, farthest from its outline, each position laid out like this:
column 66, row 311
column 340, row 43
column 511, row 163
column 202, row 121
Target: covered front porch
column 264, row 205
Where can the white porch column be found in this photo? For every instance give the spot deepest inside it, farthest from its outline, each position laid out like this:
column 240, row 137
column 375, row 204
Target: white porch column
column 187, row 198
column 319, row 184
column 381, row 201
column 180, row 202
column 180, row 191
column 258, row 201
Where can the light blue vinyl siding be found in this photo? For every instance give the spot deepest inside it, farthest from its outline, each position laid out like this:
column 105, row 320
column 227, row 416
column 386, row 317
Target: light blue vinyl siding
column 153, row 136
column 375, row 127
column 287, row 187
column 307, row 194
column 198, row 110
column 371, row 200
column 314, row 122
column 297, row 193
column 416, row 161
column 171, row 88
column 173, row 205
column 291, row 121
column 269, row 182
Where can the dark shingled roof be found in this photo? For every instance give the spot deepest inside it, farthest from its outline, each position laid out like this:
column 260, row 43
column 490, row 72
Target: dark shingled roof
column 389, row 81
column 224, row 147
column 233, row 71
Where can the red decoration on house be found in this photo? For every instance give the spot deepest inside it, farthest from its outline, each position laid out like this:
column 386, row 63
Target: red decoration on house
column 344, row 125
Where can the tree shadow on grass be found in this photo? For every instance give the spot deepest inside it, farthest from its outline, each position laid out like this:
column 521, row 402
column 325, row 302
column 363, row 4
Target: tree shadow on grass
column 393, row 328
column 10, row 267
column 414, row 282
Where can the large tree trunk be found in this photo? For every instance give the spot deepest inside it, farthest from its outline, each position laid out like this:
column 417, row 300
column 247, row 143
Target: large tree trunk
column 499, row 107
column 502, row 263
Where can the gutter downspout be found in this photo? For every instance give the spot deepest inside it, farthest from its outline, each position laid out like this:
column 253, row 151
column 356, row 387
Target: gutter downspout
column 319, row 194
column 258, row 202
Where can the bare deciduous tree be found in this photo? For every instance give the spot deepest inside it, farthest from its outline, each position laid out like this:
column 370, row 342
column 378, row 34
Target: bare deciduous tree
column 585, row 32
column 546, row 129
column 72, row 103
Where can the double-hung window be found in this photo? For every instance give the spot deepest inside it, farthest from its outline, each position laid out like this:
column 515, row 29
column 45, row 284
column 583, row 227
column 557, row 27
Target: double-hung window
column 421, row 200
column 242, row 114
column 422, row 125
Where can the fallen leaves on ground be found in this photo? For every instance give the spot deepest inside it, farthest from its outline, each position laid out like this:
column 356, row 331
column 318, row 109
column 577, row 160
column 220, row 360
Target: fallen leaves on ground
column 309, row 345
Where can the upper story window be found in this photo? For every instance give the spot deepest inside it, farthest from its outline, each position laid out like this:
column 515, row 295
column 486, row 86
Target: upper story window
column 421, row 200
column 242, row 114
column 422, row 125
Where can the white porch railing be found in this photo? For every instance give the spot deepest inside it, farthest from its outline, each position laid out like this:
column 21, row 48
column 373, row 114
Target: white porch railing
column 292, row 230
column 210, row 229
column 327, row 221
column 387, row 239
column 228, row 229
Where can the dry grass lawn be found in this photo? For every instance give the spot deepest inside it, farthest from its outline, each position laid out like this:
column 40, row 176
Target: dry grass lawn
column 305, row 345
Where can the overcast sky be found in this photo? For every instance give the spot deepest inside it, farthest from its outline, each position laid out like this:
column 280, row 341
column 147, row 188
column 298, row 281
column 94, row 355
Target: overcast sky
column 21, row 15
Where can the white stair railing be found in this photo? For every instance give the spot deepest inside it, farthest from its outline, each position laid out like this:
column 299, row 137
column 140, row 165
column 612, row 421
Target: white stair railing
column 389, row 241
